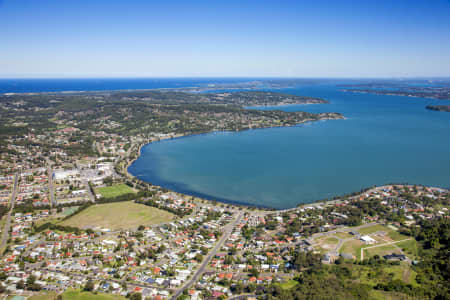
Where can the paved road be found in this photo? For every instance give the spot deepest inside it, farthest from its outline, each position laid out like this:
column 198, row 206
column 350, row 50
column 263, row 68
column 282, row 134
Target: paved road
column 226, row 234
column 51, row 188
column 8, row 217
column 242, row 297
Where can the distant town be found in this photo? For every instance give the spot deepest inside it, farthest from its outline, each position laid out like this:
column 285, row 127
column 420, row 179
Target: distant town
column 76, row 225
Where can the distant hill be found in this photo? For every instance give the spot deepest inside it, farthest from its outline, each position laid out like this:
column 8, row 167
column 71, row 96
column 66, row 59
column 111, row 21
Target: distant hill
column 439, row 107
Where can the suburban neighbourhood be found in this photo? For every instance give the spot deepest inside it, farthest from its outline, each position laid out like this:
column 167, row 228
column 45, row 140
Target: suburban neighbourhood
column 76, row 223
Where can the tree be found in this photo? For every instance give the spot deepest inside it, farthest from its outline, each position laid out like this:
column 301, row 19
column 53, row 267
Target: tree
column 89, row 286
column 136, row 296
column 20, row 285
column 237, row 288
column 251, row 287
column 31, row 279
column 108, row 180
column 199, row 257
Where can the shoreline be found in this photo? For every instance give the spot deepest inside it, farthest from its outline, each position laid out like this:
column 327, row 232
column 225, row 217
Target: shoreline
column 209, row 132
column 318, row 202
column 206, row 197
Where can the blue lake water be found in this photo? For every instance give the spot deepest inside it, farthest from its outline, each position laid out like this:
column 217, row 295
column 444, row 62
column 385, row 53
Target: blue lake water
column 384, row 139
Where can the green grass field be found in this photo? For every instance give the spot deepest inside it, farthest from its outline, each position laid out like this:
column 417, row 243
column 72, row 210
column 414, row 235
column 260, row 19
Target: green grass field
column 80, row 295
column 288, row 284
column 114, row 190
column 118, row 215
column 373, row 229
column 382, row 250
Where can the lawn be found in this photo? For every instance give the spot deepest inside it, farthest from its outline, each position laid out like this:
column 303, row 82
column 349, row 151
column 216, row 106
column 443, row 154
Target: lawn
column 288, row 284
column 114, row 190
column 118, row 215
column 81, row 295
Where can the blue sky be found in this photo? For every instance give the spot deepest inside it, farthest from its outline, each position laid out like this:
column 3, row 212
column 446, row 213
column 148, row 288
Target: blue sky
column 108, row 38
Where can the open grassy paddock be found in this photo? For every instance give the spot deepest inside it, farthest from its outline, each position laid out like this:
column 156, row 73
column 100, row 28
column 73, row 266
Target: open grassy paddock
column 372, row 229
column 409, row 248
column 381, row 250
column 44, row 295
column 118, row 215
column 114, row 190
column 81, row 295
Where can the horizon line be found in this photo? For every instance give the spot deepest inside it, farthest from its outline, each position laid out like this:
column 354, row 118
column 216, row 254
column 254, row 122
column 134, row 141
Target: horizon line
column 226, row 77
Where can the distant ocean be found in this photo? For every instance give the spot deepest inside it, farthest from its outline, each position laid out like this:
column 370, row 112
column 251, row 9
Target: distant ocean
column 105, row 84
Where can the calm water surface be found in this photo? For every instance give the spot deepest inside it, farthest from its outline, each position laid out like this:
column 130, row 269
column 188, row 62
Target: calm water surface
column 384, row 139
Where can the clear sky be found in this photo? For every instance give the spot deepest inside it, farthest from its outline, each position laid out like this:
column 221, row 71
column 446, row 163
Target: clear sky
column 188, row 38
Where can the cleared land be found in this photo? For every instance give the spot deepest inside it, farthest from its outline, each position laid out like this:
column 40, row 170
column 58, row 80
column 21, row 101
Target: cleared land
column 383, row 235
column 327, row 243
column 118, row 215
column 343, row 235
column 352, row 247
column 114, row 190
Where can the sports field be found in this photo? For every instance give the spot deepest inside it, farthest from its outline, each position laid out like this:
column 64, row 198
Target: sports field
column 114, row 190
column 118, row 215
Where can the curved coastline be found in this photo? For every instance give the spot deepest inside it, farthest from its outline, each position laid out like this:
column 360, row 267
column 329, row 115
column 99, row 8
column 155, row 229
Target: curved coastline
column 206, row 196
column 317, row 202
column 185, row 191
column 178, row 187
